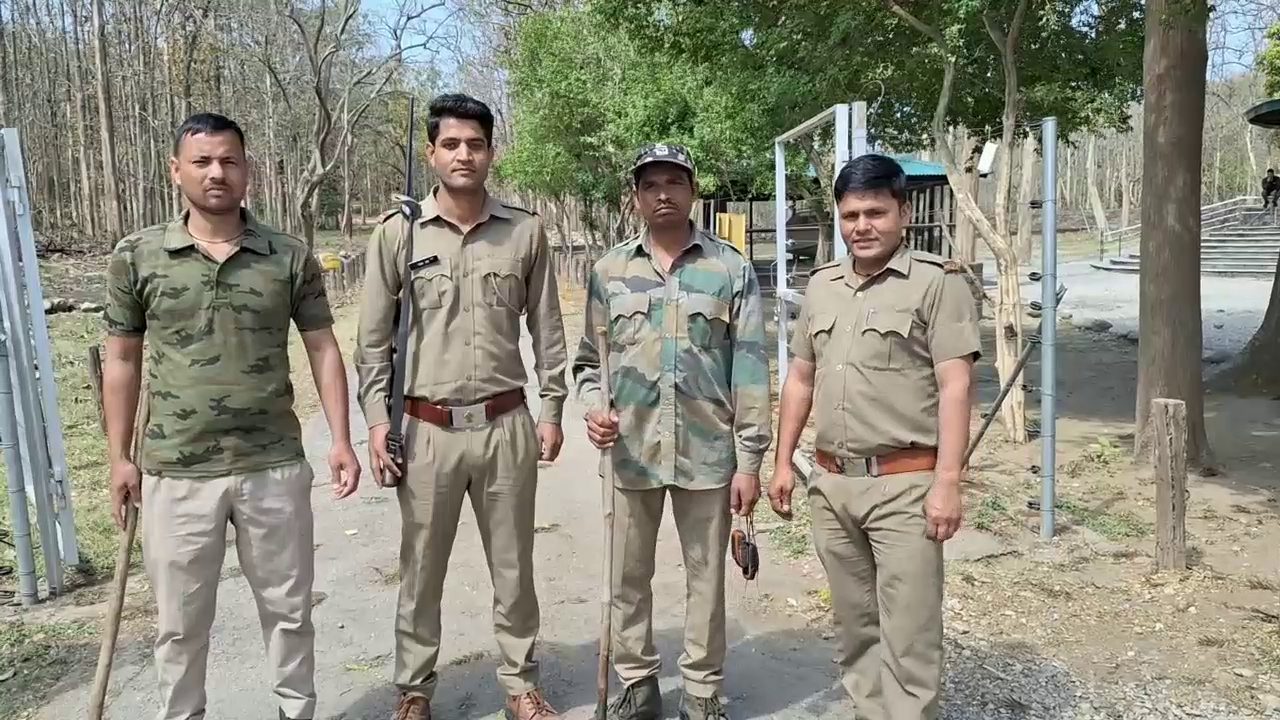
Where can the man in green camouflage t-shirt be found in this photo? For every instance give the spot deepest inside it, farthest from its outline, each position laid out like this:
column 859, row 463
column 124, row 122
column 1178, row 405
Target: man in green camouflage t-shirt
column 214, row 293
column 689, row 377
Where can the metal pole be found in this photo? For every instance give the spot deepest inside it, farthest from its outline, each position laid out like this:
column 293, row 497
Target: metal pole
column 1048, row 327
column 60, row 487
column 18, row 513
column 843, row 137
column 29, row 412
column 780, row 250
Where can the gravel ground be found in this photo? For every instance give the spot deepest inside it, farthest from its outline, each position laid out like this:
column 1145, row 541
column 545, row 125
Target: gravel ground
column 986, row 682
column 1232, row 307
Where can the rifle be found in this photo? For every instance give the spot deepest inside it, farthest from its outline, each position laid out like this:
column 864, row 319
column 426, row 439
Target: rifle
column 411, row 211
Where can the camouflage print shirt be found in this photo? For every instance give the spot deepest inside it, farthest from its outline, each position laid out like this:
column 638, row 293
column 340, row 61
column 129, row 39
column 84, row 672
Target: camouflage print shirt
column 689, row 373
column 218, row 344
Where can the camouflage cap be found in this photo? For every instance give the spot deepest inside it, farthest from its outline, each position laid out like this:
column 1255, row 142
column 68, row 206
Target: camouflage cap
column 663, row 152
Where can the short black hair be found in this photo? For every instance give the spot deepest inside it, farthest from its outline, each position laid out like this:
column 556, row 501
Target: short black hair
column 458, row 106
column 206, row 123
column 872, row 173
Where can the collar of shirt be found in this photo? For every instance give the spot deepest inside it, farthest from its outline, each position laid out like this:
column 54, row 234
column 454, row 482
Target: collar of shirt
column 492, row 208
column 899, row 263
column 644, row 243
column 255, row 238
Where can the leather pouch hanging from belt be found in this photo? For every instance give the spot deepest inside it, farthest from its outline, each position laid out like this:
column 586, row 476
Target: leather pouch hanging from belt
column 746, row 554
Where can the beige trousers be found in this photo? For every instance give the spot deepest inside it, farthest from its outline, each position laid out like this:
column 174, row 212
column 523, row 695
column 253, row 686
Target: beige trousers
column 184, row 539
column 497, row 466
column 703, row 523
column 886, row 580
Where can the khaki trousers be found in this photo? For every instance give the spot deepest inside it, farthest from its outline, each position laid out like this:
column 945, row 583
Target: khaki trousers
column 497, row 466
column 703, row 524
column 886, row 580
column 184, row 539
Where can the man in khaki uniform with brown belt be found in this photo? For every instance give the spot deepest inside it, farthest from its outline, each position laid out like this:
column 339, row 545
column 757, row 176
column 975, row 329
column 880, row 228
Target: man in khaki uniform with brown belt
column 477, row 266
column 883, row 352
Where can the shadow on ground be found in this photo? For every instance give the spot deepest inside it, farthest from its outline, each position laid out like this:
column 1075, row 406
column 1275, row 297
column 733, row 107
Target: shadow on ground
column 783, row 674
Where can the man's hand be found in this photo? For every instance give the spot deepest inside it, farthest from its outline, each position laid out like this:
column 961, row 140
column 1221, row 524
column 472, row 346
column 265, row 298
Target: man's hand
column 344, row 469
column 780, row 489
column 379, row 459
column 602, row 430
column 942, row 510
column 551, row 437
column 126, row 486
column 744, row 491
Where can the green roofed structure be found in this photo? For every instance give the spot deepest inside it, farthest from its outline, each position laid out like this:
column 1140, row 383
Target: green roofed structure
column 1265, row 114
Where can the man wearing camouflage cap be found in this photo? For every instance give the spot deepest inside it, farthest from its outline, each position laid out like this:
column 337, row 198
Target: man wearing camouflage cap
column 690, row 418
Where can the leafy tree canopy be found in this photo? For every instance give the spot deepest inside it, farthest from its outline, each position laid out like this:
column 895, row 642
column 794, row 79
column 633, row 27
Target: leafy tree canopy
column 1269, row 62
column 1080, row 60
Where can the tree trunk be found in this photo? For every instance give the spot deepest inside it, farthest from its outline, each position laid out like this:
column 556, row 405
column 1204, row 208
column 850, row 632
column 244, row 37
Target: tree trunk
column 1091, row 178
column 1169, row 315
column 1026, row 192
column 110, row 183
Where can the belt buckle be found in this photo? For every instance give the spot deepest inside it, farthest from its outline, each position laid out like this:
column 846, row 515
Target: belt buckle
column 872, row 466
column 468, row 416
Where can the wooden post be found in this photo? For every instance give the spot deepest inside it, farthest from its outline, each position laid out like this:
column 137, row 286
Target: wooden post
column 1169, row 451
column 95, row 380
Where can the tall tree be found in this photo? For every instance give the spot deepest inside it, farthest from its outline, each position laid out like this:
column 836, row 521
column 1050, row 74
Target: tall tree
column 1169, row 318
column 110, row 181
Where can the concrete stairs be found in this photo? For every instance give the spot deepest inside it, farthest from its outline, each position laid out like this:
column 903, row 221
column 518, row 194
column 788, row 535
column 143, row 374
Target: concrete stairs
column 1239, row 240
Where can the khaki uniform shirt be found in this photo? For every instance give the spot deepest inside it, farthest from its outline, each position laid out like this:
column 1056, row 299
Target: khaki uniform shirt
column 875, row 344
column 689, row 368
column 218, row 344
column 468, row 294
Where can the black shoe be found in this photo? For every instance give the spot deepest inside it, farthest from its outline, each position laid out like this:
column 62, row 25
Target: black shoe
column 639, row 701
column 693, row 707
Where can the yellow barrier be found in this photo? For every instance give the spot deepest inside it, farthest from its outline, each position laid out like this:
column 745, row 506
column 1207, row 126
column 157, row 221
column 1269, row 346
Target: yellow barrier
column 732, row 228
column 330, row 261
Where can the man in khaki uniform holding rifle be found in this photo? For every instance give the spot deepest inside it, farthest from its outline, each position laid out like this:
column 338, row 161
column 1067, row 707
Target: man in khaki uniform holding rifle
column 883, row 353
column 476, row 266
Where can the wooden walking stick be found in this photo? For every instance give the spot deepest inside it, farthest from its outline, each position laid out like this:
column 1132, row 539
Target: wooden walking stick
column 106, row 652
column 606, row 582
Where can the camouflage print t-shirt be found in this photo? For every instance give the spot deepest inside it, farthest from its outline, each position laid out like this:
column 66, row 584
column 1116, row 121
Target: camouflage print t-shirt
column 221, row 401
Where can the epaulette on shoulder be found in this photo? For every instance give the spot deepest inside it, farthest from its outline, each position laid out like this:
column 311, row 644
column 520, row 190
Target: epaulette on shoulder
column 517, row 208
column 388, row 215
column 932, row 259
column 830, row 265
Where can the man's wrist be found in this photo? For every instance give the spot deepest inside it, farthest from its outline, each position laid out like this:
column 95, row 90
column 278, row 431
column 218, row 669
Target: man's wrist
column 948, row 476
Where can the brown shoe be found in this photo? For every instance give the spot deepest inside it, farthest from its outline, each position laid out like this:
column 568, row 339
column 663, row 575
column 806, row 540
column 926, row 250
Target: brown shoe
column 412, row 707
column 530, row 706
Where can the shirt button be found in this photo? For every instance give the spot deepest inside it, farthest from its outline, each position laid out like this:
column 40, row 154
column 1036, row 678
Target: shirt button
column 467, row 343
column 466, row 309
column 840, row 444
column 848, row 328
column 840, row 367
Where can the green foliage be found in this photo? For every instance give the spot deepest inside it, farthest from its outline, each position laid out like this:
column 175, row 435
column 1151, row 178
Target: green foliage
column 586, row 97
column 1269, row 62
column 1079, row 60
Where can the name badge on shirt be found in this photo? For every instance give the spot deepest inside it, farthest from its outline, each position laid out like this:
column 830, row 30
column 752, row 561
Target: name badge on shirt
column 427, row 261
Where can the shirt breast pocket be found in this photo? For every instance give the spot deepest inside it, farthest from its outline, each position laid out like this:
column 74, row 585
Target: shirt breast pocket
column 708, row 318
column 433, row 285
column 885, row 340
column 628, row 317
column 820, row 330
column 502, row 283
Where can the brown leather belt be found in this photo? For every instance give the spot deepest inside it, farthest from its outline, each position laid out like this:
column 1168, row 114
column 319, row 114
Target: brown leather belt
column 899, row 461
column 467, row 415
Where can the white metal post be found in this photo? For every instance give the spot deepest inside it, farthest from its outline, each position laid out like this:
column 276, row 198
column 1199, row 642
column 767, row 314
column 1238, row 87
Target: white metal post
column 22, row 366
column 780, row 243
column 60, row 488
column 839, row 251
